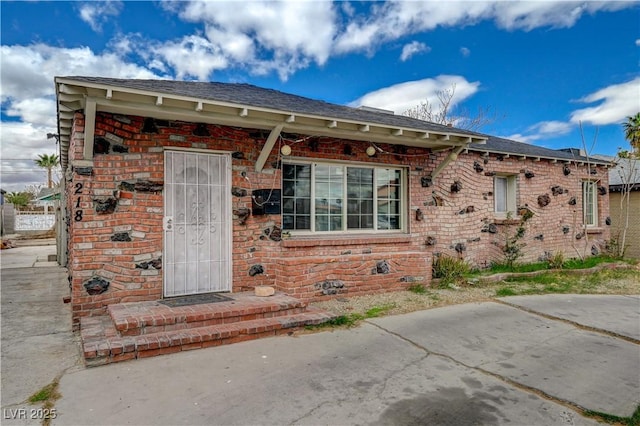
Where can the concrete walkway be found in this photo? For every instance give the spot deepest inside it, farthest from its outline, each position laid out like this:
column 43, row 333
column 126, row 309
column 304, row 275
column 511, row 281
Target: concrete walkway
column 539, row 360
column 37, row 343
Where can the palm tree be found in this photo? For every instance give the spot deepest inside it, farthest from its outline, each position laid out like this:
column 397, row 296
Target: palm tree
column 632, row 132
column 48, row 162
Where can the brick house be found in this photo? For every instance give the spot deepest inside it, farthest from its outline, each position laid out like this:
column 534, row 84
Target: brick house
column 175, row 188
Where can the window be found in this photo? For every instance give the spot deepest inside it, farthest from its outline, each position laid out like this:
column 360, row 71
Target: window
column 590, row 203
column 325, row 197
column 504, row 194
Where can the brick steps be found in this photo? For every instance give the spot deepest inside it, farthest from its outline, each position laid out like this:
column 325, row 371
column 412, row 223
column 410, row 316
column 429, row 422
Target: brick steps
column 132, row 319
column 103, row 341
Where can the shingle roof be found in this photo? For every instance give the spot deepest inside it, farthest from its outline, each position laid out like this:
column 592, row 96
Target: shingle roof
column 258, row 97
column 626, row 171
column 249, row 95
column 506, row 146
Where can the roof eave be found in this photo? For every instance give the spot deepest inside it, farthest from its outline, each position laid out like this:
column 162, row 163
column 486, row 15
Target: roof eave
column 72, row 96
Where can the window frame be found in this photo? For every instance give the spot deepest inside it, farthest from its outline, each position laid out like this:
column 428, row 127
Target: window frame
column 511, row 194
column 593, row 200
column 312, row 231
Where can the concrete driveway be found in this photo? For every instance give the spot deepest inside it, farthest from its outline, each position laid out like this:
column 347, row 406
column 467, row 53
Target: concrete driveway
column 538, row 360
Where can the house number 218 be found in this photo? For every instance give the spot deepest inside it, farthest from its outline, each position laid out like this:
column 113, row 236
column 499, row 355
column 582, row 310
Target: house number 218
column 78, row 215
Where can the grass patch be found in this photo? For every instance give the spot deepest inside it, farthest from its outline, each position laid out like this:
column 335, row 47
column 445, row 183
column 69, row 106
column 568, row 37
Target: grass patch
column 48, row 395
column 417, row 289
column 506, row 291
column 377, row 311
column 353, row 319
column 634, row 420
column 563, row 282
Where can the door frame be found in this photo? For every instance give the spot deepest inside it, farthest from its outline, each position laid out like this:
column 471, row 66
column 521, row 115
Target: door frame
column 229, row 213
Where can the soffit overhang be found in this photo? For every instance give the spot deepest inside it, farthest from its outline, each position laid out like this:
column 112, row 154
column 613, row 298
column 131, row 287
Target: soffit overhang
column 73, row 96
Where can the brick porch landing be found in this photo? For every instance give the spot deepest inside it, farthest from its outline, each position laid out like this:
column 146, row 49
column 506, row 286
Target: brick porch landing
column 145, row 329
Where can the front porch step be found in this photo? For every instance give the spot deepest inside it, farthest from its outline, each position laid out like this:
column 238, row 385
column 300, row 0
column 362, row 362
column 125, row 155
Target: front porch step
column 103, row 343
column 139, row 318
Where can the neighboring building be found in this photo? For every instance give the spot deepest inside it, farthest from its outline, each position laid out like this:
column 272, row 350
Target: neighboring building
column 624, row 179
column 176, row 188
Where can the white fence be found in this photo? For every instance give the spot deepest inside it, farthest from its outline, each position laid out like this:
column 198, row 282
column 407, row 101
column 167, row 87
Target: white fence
column 34, row 221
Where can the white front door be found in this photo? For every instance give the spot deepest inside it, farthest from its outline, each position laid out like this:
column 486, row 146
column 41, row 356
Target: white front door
column 197, row 223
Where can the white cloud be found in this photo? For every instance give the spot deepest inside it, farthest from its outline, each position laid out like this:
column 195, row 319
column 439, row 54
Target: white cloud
column 21, row 143
column 543, row 130
column 97, row 13
column 390, row 21
column 464, row 51
column 259, row 35
column 413, row 48
column 28, row 93
column 401, row 97
column 615, row 103
column 193, row 56
column 638, row 42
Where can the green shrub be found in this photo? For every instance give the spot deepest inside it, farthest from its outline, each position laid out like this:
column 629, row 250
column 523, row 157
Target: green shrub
column 450, row 270
column 556, row 261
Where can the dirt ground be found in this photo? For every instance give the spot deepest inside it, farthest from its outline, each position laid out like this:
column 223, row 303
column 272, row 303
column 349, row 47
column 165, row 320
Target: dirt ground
column 393, row 303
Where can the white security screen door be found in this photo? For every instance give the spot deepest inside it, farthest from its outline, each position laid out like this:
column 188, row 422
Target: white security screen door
column 197, row 223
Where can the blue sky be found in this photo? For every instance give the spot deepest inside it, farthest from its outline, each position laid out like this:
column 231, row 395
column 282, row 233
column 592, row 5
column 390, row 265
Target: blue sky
column 543, row 67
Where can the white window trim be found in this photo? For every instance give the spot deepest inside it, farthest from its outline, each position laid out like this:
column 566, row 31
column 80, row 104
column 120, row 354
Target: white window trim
column 511, row 194
column 594, row 186
column 404, row 199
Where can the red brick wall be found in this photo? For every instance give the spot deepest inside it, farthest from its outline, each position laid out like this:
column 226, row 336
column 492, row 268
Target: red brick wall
column 297, row 266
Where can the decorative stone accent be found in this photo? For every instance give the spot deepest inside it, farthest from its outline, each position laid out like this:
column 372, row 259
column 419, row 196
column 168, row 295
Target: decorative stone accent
column 468, row 209
column 544, row 200
column 607, row 221
column 149, row 126
column 101, row 145
column 572, row 201
column 474, row 240
column 329, row 286
column 242, row 214
column 539, row 237
column 201, row 130
column 96, row 285
column 490, row 228
column 595, row 251
column 155, row 264
column 83, row 171
column 580, row 236
column 430, row 241
column 121, row 236
column 120, row 148
column 435, row 200
column 566, row 229
column 460, row 248
column 238, row 192
column 477, row 167
column 593, row 171
column 419, row 215
column 264, row 291
column 411, row 279
column 529, row 174
column 456, row 186
column 148, row 186
column 256, row 270
column 426, row 181
column 346, row 252
column 382, row 267
column 274, row 233
column 558, row 190
column 105, row 206
column 566, row 170
column 490, row 173
column 602, row 190
column 237, row 155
